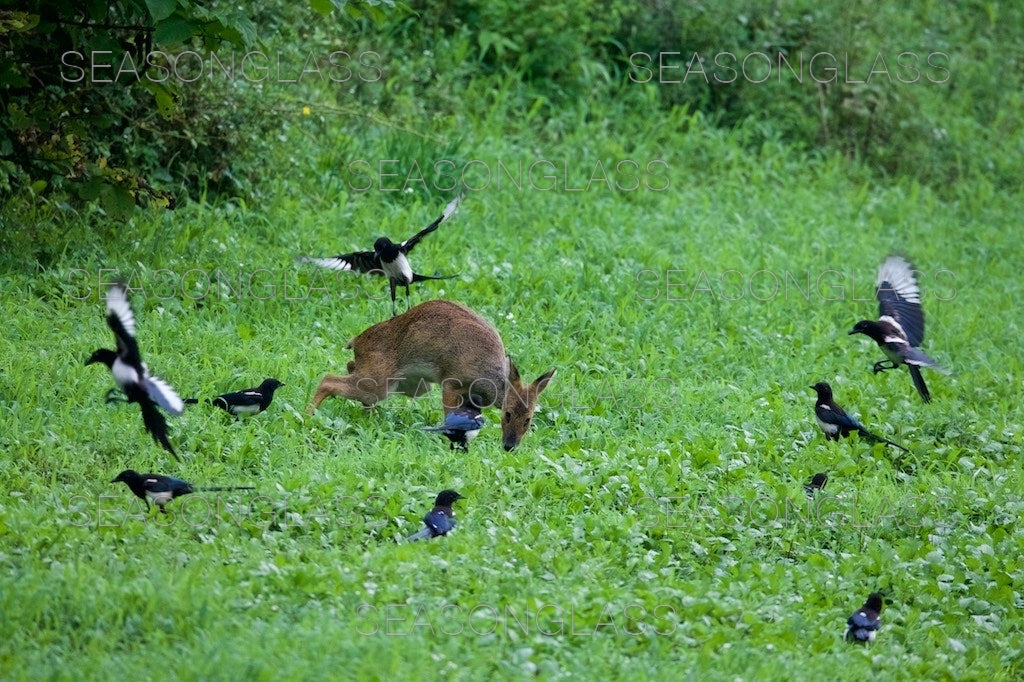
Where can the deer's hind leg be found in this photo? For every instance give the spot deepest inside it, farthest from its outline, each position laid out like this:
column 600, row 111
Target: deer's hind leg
column 364, row 389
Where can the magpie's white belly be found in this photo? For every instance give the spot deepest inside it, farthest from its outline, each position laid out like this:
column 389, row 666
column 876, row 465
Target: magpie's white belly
column 399, row 269
column 160, row 498
column 124, row 374
column 830, row 429
column 892, row 354
column 245, row 409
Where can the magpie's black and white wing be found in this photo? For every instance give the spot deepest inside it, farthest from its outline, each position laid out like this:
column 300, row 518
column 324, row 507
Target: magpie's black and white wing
column 161, row 393
column 463, row 421
column 410, row 243
column 899, row 298
column 438, row 522
column 121, row 321
column 357, row 261
column 836, row 417
column 241, row 401
column 865, row 619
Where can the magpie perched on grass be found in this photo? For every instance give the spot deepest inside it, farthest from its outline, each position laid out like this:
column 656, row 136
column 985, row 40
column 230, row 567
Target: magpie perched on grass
column 440, row 519
column 834, row 421
column 863, row 624
column 817, row 482
column 131, row 374
column 162, row 489
column 899, row 330
column 249, row 401
column 460, row 426
column 388, row 258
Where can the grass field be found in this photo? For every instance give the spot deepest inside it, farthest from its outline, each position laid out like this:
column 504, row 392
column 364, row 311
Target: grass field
column 652, row 525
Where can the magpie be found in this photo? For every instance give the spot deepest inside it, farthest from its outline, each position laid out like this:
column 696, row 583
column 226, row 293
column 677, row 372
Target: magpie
column 863, row 624
column 162, row 489
column 834, row 421
column 131, row 374
column 899, row 330
column 249, row 401
column 389, row 259
column 440, row 519
column 460, row 426
column 818, row 482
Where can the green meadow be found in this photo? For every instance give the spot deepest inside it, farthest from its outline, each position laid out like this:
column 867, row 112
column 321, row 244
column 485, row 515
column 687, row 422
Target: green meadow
column 688, row 276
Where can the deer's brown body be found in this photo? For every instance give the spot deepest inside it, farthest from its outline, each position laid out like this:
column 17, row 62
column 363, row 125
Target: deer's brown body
column 437, row 342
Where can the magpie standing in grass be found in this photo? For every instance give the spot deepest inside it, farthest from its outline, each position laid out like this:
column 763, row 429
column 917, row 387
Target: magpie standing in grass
column 389, row 259
column 440, row 519
column 817, row 482
column 863, row 624
column 249, row 401
column 131, row 374
column 460, row 426
column 834, row 421
column 900, row 326
column 162, row 489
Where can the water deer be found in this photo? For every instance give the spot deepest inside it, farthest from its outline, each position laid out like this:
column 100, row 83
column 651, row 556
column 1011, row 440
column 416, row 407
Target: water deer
column 438, row 342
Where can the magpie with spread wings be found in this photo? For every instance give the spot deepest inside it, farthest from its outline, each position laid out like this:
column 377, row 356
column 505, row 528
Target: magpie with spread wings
column 388, row 258
column 131, row 374
column 899, row 330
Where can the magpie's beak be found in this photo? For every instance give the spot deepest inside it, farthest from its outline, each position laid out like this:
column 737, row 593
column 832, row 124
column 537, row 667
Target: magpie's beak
column 115, row 480
column 852, row 332
column 812, row 388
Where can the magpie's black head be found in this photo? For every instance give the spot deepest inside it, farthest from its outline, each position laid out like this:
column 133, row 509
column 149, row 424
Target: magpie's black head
column 126, row 476
column 270, row 385
column 446, row 498
column 384, row 248
column 819, row 481
column 866, row 327
column 104, row 355
column 823, row 389
column 874, row 602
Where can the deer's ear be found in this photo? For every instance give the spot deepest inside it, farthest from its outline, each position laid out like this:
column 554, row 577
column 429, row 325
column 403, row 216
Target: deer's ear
column 513, row 371
column 542, row 381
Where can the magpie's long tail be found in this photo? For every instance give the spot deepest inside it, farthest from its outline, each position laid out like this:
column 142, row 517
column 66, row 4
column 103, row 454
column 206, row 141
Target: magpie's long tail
column 922, row 389
column 416, row 277
column 154, row 421
column 879, row 439
column 220, row 489
column 432, row 428
column 423, row 534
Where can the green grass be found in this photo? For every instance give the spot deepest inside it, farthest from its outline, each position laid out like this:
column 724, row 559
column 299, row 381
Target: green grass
column 662, row 505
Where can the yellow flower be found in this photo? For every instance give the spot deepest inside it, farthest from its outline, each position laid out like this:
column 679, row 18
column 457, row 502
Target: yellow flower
column 305, row 111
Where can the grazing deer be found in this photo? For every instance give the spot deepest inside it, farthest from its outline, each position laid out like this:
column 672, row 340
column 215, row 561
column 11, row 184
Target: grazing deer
column 438, row 342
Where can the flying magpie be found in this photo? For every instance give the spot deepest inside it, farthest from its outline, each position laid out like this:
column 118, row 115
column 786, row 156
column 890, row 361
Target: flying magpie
column 817, row 482
column 440, row 519
column 389, row 259
column 900, row 326
column 131, row 374
column 834, row 421
column 162, row 489
column 863, row 624
column 460, row 426
column 249, row 401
